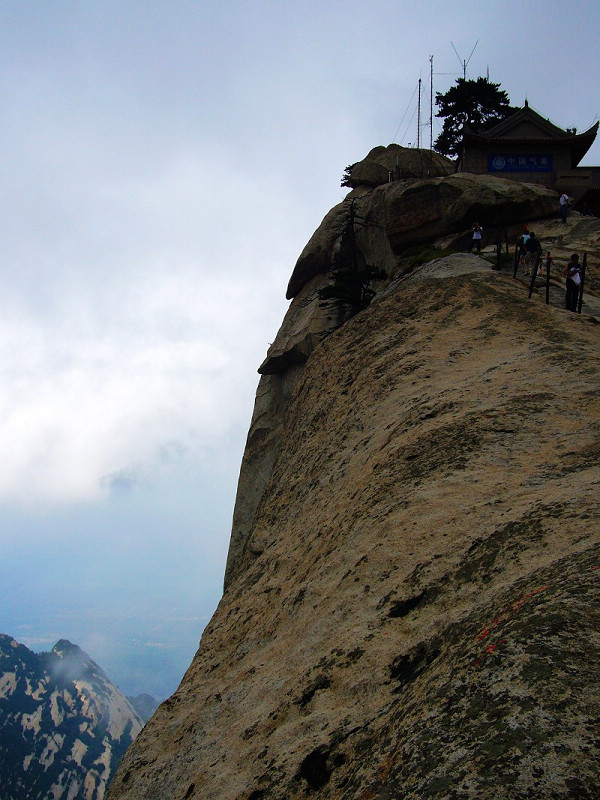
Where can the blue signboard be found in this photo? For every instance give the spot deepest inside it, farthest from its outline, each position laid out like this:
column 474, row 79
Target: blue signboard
column 519, row 163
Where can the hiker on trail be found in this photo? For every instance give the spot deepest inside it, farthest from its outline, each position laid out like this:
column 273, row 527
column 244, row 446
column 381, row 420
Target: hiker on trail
column 532, row 248
column 521, row 242
column 477, row 236
column 564, row 206
column 572, row 273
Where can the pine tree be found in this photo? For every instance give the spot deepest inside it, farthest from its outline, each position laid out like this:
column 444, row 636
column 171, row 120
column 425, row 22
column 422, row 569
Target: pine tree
column 351, row 289
column 479, row 104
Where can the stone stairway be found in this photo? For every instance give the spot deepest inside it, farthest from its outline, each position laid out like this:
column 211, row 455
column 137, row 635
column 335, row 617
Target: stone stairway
column 577, row 235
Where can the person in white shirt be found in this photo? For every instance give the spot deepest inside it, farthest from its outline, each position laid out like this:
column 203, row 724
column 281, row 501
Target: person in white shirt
column 477, row 237
column 564, row 206
column 572, row 273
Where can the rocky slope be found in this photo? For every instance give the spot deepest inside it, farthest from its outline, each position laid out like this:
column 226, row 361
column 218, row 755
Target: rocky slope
column 411, row 606
column 63, row 725
column 388, row 221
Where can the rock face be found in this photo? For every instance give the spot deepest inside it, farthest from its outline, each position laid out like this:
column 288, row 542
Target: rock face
column 387, row 220
column 384, row 164
column 413, row 598
column 63, row 725
column 403, row 213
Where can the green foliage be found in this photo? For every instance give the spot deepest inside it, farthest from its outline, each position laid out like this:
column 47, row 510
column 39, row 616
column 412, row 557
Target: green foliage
column 479, row 104
column 351, row 288
column 419, row 254
column 347, row 174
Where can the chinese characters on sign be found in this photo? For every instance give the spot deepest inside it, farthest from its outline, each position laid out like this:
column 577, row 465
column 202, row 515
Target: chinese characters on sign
column 519, row 163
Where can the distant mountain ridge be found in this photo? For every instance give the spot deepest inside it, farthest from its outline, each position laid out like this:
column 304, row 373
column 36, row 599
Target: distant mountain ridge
column 64, row 726
column 144, row 704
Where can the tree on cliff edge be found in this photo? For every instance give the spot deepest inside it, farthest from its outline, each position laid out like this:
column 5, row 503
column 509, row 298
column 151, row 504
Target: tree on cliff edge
column 479, row 104
column 351, row 289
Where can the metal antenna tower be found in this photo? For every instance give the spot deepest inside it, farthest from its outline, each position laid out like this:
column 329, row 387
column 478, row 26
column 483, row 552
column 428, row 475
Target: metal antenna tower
column 419, row 117
column 431, row 104
column 464, row 64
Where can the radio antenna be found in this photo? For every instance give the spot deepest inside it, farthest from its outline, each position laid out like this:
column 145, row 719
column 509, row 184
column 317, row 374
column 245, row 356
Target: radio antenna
column 464, row 64
column 431, row 104
column 419, row 117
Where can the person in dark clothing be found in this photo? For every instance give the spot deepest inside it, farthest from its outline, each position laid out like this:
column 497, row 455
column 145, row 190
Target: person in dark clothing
column 476, row 237
column 572, row 273
column 532, row 248
column 521, row 242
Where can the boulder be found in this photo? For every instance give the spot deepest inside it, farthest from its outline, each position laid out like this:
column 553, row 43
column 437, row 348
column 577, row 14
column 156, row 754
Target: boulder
column 429, row 209
column 384, row 164
column 306, row 322
column 410, row 212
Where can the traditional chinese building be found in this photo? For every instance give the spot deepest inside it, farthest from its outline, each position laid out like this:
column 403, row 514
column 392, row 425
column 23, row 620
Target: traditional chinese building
column 527, row 147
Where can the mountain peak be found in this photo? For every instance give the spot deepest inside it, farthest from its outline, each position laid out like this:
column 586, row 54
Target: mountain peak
column 65, row 646
column 63, row 724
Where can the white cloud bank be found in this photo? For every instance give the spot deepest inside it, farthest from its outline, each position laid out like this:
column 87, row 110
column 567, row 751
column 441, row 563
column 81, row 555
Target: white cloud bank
column 131, row 321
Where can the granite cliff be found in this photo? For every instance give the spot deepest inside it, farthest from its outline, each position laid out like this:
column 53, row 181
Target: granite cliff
column 411, row 606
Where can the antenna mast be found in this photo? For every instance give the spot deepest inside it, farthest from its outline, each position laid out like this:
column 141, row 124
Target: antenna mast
column 419, row 118
column 464, row 64
column 431, row 104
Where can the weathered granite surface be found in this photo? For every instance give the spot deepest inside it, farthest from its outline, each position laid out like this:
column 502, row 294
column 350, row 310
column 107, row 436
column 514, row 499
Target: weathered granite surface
column 387, row 219
column 414, row 610
column 396, row 215
column 393, row 162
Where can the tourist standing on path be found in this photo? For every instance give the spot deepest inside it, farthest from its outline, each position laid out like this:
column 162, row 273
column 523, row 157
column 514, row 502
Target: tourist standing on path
column 572, row 273
column 532, row 248
column 477, row 236
column 521, row 242
column 564, row 206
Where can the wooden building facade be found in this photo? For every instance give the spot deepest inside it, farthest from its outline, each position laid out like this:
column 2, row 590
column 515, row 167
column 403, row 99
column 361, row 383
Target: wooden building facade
column 527, row 147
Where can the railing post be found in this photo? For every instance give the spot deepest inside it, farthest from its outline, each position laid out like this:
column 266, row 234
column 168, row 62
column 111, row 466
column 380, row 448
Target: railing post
column 583, row 268
column 534, row 272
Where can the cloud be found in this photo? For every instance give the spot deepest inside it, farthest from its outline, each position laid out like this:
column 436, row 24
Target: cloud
column 137, row 349
column 150, row 226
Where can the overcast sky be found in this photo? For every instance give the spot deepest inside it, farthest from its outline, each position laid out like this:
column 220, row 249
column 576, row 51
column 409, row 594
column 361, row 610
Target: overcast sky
column 162, row 165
